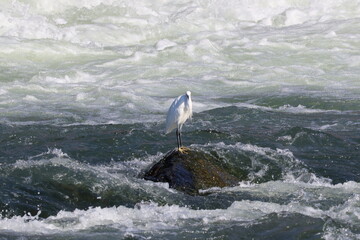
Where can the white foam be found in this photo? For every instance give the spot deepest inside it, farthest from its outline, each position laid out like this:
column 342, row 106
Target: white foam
column 157, row 50
column 53, row 156
column 327, row 126
column 60, row 21
column 24, row 19
column 265, row 151
column 293, row 170
column 335, row 233
column 163, row 44
column 301, row 109
column 79, row 77
column 115, row 174
column 348, row 212
column 331, row 34
column 295, row 16
column 147, row 216
column 31, row 98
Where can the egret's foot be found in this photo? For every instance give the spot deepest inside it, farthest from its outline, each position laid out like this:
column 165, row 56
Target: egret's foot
column 184, row 150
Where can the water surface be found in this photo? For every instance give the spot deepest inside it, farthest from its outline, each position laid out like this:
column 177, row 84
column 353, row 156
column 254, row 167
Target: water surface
column 84, row 90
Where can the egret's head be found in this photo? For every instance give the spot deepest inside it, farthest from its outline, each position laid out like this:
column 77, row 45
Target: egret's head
column 188, row 94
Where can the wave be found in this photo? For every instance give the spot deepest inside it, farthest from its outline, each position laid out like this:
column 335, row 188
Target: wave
column 67, row 21
column 297, row 191
column 264, row 164
column 149, row 216
column 287, row 108
column 52, row 181
column 107, row 61
column 129, row 108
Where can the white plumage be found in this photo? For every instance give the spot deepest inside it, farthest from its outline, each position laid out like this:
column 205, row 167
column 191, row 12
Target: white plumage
column 179, row 111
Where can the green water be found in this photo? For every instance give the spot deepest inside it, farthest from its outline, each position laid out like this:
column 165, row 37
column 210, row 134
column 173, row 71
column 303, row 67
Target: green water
column 84, row 91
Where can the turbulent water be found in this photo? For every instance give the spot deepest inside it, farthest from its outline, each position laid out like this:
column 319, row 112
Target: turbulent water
column 84, row 90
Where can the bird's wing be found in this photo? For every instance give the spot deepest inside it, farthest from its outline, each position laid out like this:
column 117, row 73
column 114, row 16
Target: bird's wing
column 172, row 116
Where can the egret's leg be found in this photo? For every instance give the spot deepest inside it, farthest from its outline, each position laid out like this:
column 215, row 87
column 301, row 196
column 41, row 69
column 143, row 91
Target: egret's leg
column 177, row 139
column 180, row 138
column 183, row 150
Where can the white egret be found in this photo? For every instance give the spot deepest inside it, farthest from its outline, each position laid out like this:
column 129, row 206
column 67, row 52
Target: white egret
column 179, row 111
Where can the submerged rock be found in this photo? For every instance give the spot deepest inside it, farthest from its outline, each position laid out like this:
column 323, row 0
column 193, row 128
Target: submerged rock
column 190, row 170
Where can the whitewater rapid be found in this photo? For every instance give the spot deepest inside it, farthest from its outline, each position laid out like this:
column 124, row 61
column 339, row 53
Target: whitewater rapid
column 84, row 90
column 66, row 60
column 309, row 196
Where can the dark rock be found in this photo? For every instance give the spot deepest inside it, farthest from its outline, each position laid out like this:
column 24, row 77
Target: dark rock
column 190, row 170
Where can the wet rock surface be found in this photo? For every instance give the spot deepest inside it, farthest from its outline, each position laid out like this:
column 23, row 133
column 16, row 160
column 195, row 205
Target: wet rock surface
column 190, row 170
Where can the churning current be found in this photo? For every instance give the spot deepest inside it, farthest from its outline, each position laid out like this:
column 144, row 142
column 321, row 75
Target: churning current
column 84, row 91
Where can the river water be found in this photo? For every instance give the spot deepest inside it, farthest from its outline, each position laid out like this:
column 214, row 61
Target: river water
column 84, row 91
